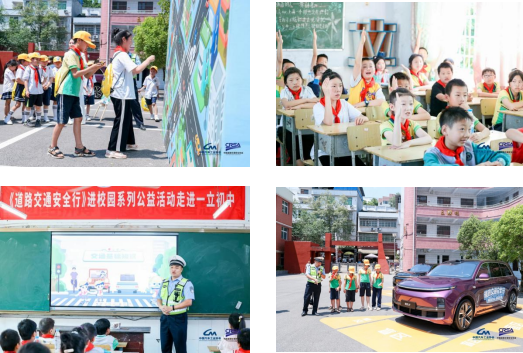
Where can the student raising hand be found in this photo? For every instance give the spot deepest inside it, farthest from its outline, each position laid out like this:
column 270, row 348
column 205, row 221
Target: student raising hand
column 326, row 89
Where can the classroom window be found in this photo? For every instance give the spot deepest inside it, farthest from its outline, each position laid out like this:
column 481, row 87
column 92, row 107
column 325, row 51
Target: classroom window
column 285, row 207
column 388, row 223
column 146, row 6
column 443, row 201
column 515, row 195
column 421, row 229
column 467, row 50
column 467, row 202
column 369, row 223
column 443, row 231
column 62, row 5
column 422, row 200
column 119, row 5
column 284, row 233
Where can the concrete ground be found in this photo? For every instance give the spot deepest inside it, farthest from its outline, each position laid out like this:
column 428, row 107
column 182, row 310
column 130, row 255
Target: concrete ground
column 382, row 331
column 22, row 146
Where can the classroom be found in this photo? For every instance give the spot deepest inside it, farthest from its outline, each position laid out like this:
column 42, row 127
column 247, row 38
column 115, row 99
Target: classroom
column 346, row 70
column 99, row 262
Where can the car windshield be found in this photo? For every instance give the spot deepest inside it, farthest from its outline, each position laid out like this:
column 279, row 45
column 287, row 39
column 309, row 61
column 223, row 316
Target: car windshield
column 420, row 268
column 455, row 269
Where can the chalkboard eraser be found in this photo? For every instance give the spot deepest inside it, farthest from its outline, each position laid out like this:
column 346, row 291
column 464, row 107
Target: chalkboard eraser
column 238, row 305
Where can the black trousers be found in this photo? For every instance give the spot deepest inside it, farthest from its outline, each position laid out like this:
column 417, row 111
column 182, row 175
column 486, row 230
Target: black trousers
column 173, row 329
column 136, row 108
column 311, row 289
column 122, row 133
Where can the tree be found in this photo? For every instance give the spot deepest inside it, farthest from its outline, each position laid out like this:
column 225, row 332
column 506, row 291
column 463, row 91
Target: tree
column 92, row 3
column 508, row 234
column 41, row 18
column 394, row 200
column 150, row 37
column 17, row 37
column 324, row 214
column 373, row 202
column 476, row 239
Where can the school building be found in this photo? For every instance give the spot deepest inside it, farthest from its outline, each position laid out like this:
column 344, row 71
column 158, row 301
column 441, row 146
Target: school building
column 284, row 201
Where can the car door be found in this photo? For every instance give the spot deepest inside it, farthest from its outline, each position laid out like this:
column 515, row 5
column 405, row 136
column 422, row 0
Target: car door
column 496, row 292
column 481, row 287
column 506, row 280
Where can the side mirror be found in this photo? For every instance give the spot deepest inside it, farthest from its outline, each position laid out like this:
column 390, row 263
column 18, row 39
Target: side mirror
column 483, row 277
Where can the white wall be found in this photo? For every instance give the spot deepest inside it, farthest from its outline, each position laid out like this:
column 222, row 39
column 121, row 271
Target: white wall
column 432, row 256
column 391, row 12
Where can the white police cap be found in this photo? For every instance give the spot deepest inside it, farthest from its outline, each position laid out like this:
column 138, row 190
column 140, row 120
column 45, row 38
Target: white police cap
column 176, row 260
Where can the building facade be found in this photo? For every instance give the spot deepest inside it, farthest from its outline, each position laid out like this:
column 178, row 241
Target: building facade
column 433, row 217
column 89, row 20
column 284, row 202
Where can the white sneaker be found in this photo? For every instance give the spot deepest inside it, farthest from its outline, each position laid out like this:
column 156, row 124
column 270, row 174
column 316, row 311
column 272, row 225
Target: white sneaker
column 9, row 122
column 378, row 308
column 157, row 119
column 132, row 147
column 368, row 308
column 46, row 120
column 115, row 154
column 70, row 122
column 88, row 118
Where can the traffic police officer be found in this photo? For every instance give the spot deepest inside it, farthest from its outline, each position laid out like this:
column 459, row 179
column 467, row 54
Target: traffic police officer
column 314, row 273
column 174, row 299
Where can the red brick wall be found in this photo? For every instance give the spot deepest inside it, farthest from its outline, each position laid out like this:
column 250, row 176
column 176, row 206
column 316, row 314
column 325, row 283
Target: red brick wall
column 297, row 255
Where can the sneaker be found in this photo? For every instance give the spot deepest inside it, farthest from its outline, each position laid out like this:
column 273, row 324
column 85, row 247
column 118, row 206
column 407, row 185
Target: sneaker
column 332, row 310
column 338, row 310
column 157, row 119
column 88, row 118
column 115, row 154
column 38, row 123
column 70, row 122
column 362, row 308
column 378, row 308
column 373, row 308
column 368, row 307
column 46, row 120
column 9, row 122
column 142, row 127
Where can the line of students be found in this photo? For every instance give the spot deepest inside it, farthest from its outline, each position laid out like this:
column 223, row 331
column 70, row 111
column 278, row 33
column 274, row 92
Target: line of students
column 31, row 338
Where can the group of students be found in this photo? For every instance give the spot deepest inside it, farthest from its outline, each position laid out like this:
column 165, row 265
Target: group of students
column 365, row 280
column 32, row 85
column 458, row 130
column 31, row 338
column 237, row 338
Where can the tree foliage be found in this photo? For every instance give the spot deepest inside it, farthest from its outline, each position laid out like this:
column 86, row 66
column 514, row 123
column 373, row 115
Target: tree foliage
column 476, row 239
column 373, row 202
column 394, row 200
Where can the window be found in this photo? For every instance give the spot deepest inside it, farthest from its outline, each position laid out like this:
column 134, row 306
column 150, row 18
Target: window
column 62, row 5
column 368, row 237
column 483, row 269
column 120, row 5
column 388, row 238
column 506, row 199
column 443, row 231
column 369, row 222
column 437, row 259
column 515, row 195
column 304, row 191
column 445, row 258
column 466, row 51
column 389, row 223
column 444, row 201
column 147, row 6
column 495, row 270
column 421, row 259
column 93, row 29
column 421, row 229
column 422, row 200
column 506, row 270
column 467, row 202
column 349, row 201
column 284, row 233
column 285, row 207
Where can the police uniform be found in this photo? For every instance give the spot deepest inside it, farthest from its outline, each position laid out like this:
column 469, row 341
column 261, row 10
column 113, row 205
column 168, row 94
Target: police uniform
column 312, row 289
column 173, row 327
column 136, row 109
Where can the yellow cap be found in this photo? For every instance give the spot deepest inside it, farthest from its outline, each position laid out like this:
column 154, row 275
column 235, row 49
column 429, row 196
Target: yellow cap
column 366, row 261
column 23, row 56
column 57, row 59
column 44, row 58
column 34, row 56
column 154, row 67
column 335, row 268
column 86, row 37
column 352, row 269
column 377, row 267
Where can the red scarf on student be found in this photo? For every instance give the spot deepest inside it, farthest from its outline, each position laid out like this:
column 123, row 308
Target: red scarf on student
column 37, row 74
column 44, row 68
column 489, row 89
column 350, row 280
column 335, row 112
column 22, row 67
column 119, row 48
column 404, row 127
column 9, row 352
column 79, row 53
column 368, row 86
column 296, row 94
column 47, row 336
column 511, row 95
column 417, row 75
column 90, row 346
column 424, row 69
column 441, row 83
column 440, row 145
column 25, row 342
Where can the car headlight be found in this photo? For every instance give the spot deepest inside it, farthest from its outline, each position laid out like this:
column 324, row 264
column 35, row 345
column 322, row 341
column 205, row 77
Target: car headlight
column 441, row 303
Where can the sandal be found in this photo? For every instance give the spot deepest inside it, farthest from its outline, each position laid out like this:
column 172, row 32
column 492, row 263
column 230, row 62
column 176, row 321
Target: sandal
column 84, row 152
column 55, row 152
column 351, row 310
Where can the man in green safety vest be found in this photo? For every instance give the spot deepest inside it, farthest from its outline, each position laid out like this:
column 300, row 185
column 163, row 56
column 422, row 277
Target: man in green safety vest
column 136, row 109
column 314, row 273
column 174, row 299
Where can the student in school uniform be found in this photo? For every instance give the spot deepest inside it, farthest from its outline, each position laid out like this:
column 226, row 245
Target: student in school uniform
column 57, row 64
column 377, row 287
column 88, row 84
column 511, row 98
column 34, row 88
column 364, row 91
column 364, row 283
column 322, row 59
column 489, row 88
column 27, row 331
column 90, row 332
column 229, row 343
column 454, row 148
column 516, row 135
column 295, row 95
column 350, row 286
column 419, row 79
column 9, row 82
column 402, row 80
column 103, row 331
column 438, row 99
column 20, row 99
column 150, row 85
column 71, row 342
column 281, row 65
column 333, row 110
column 406, row 133
column 314, row 84
column 381, row 74
column 335, row 287
column 9, row 341
column 244, row 341
column 47, row 330
column 122, row 134
column 46, row 74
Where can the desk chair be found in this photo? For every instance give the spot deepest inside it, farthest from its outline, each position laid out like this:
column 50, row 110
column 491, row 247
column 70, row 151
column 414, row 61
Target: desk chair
column 428, row 93
column 50, row 346
column 361, row 136
column 487, row 108
column 105, row 346
column 432, row 128
column 303, row 118
column 375, row 113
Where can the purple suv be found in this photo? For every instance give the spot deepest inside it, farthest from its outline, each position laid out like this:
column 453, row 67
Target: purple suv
column 453, row 293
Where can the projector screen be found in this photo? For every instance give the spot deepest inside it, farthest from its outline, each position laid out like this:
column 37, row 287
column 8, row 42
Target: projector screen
column 110, row 271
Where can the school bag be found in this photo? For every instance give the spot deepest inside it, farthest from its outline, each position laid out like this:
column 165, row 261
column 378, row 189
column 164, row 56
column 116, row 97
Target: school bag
column 107, row 82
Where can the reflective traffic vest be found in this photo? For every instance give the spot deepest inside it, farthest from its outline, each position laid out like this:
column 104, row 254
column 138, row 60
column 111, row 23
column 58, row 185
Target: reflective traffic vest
column 176, row 297
column 314, row 273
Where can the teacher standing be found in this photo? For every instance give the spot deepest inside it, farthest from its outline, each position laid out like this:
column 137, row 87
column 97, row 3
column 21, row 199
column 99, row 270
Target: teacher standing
column 174, row 299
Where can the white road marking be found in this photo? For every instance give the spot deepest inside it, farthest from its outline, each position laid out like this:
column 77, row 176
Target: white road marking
column 129, row 303
column 23, row 136
column 61, row 301
column 138, row 302
column 78, row 302
column 147, row 303
column 69, row 302
column 55, row 300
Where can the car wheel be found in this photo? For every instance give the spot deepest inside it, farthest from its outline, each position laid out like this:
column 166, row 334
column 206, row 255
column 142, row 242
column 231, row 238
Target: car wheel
column 464, row 315
column 512, row 302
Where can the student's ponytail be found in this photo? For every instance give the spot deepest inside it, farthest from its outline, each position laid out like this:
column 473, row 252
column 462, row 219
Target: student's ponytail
column 72, row 342
column 119, row 34
column 237, row 321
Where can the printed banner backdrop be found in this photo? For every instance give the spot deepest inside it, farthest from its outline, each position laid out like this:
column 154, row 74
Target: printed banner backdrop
column 207, row 86
column 123, row 202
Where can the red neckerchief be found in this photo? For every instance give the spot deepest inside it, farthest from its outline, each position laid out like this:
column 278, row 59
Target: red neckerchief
column 489, row 89
column 44, row 68
column 424, row 69
column 21, row 67
column 440, row 145
column 368, row 86
column 37, row 74
column 9, row 352
column 296, row 94
column 241, row 350
column 511, row 95
column 517, row 150
column 25, row 342
column 335, row 112
column 378, row 274
column 90, row 346
column 47, row 336
column 443, row 84
column 119, row 48
column 91, row 80
column 417, row 75
column 404, row 127
column 350, row 280
column 79, row 53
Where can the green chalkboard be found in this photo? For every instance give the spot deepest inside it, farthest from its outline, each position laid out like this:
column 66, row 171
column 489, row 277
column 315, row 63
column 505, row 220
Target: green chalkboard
column 25, row 259
column 218, row 264
column 296, row 20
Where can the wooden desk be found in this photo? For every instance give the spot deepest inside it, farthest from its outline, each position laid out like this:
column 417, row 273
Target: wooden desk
column 512, row 119
column 385, row 156
column 334, row 139
column 129, row 338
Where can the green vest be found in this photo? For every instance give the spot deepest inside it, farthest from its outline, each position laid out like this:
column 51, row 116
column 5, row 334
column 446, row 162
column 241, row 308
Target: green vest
column 353, row 285
column 377, row 282
column 364, row 276
column 335, row 282
column 315, row 274
column 176, row 296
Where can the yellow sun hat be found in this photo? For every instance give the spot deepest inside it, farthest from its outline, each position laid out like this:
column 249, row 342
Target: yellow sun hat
column 44, row 58
column 154, row 67
column 57, row 59
column 377, row 267
column 366, row 262
column 352, row 269
column 23, row 56
column 86, row 37
column 34, row 56
column 335, row 268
